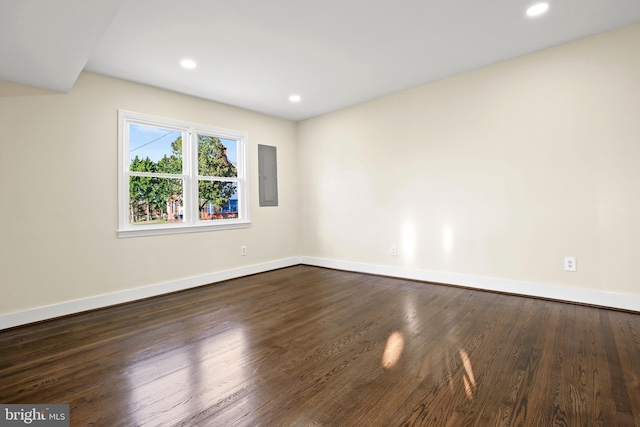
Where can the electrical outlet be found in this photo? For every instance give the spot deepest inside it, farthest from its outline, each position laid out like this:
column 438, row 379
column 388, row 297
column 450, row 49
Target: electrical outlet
column 570, row 263
column 243, row 250
column 393, row 251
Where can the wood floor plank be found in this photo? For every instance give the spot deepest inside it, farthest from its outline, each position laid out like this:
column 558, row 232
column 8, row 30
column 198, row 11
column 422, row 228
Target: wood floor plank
column 311, row 346
column 625, row 336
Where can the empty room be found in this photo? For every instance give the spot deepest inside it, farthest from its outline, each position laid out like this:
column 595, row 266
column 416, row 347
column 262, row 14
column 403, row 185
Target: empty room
column 341, row 213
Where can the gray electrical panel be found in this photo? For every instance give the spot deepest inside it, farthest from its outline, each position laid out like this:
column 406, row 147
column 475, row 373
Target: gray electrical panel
column 268, row 171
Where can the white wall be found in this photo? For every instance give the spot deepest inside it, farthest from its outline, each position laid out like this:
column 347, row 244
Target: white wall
column 58, row 183
column 494, row 174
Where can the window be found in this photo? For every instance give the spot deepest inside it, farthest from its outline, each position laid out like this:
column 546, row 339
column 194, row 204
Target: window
column 177, row 177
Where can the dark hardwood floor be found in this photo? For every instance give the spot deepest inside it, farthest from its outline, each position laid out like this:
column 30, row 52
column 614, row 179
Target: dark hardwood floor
column 310, row 346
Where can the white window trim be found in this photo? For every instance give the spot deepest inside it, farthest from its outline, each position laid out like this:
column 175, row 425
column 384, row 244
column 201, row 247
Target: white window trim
column 192, row 223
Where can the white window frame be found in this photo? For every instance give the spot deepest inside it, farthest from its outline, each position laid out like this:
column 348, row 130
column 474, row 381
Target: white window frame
column 191, row 221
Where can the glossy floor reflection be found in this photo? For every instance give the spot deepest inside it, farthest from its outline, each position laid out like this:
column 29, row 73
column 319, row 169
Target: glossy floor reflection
column 310, row 346
column 192, row 376
column 393, row 350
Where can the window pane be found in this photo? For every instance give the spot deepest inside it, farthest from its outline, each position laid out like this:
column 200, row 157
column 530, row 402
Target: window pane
column 217, row 156
column 155, row 200
column 218, row 200
column 154, row 149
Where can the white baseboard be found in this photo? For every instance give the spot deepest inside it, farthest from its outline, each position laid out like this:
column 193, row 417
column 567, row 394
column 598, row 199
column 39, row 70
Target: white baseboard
column 71, row 307
column 560, row 293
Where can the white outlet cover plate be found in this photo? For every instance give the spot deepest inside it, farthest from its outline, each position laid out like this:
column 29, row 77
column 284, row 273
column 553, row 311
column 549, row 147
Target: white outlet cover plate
column 569, row 263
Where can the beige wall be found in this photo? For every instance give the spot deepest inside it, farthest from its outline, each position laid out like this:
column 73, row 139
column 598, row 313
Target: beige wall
column 499, row 172
column 58, row 182
column 496, row 173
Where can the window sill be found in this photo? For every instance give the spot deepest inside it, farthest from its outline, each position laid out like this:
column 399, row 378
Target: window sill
column 150, row 230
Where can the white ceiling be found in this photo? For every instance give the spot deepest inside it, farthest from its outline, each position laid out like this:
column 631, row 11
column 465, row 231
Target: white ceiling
column 255, row 53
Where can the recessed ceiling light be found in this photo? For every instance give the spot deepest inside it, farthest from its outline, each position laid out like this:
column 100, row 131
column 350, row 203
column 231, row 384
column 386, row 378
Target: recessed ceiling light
column 188, row 63
column 295, row 98
column 537, row 9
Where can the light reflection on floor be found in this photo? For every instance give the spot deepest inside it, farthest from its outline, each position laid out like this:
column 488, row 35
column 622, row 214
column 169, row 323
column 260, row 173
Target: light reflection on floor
column 444, row 364
column 393, row 350
column 468, row 377
column 188, row 378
